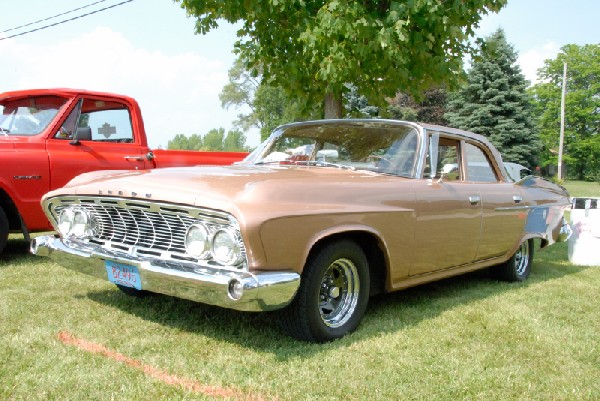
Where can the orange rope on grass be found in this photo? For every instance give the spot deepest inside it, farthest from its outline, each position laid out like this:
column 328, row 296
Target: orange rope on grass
column 158, row 374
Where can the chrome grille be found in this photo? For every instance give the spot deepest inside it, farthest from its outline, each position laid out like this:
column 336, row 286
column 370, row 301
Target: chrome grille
column 141, row 228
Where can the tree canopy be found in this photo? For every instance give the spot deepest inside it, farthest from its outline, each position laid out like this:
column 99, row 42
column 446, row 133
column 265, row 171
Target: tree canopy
column 582, row 109
column 313, row 48
column 268, row 106
column 495, row 102
column 214, row 140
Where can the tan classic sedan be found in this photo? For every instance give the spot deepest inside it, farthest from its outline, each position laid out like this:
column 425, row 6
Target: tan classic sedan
column 318, row 218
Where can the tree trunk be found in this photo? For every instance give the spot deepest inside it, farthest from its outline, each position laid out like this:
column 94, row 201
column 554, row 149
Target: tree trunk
column 333, row 105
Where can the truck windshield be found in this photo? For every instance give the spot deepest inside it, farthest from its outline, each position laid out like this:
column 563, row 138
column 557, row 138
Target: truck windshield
column 28, row 116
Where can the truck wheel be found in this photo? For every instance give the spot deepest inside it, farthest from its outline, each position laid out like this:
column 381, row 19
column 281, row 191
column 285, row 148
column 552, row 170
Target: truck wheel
column 3, row 229
column 518, row 267
column 333, row 294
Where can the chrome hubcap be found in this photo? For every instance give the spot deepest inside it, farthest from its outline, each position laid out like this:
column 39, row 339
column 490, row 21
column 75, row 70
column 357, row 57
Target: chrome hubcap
column 522, row 258
column 339, row 293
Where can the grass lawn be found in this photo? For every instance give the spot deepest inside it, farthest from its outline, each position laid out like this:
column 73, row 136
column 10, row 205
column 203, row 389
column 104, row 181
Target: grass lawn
column 583, row 189
column 66, row 336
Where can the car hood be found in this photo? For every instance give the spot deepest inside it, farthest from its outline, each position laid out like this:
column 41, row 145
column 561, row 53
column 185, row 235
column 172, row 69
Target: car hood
column 230, row 188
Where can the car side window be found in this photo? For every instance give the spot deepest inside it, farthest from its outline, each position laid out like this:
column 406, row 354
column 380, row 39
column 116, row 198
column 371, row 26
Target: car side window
column 443, row 158
column 97, row 120
column 479, row 168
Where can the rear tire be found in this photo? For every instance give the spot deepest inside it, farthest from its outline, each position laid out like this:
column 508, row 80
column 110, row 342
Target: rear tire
column 333, row 294
column 518, row 267
column 3, row 229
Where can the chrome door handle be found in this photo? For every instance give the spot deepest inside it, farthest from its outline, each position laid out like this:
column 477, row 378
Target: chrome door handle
column 474, row 200
column 517, row 198
column 135, row 158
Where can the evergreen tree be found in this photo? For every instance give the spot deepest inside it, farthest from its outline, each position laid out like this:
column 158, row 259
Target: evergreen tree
column 430, row 108
column 495, row 103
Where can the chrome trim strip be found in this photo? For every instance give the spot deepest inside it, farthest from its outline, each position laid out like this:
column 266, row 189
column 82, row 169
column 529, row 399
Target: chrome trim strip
column 262, row 291
column 513, row 208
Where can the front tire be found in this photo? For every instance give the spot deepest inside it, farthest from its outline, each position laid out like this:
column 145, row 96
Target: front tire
column 333, row 294
column 518, row 267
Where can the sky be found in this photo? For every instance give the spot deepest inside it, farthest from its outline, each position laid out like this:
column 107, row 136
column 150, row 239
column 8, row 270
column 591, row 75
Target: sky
column 147, row 49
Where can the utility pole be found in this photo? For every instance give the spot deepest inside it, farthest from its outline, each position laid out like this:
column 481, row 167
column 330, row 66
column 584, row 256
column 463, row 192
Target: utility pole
column 562, row 123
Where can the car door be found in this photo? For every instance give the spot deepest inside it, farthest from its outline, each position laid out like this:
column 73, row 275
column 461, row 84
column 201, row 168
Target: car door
column 96, row 135
column 503, row 209
column 448, row 212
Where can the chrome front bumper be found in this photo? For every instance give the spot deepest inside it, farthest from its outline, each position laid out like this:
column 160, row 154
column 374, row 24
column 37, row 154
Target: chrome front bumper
column 261, row 291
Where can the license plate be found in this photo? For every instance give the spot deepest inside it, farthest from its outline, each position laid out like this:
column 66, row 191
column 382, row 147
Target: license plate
column 123, row 274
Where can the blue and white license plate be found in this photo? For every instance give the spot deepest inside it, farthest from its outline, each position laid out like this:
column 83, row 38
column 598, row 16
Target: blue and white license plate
column 123, row 274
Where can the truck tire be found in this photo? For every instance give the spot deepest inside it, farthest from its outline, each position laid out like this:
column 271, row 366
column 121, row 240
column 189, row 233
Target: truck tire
column 3, row 229
column 333, row 294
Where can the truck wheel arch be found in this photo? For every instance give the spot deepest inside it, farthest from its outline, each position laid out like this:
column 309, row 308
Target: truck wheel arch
column 11, row 212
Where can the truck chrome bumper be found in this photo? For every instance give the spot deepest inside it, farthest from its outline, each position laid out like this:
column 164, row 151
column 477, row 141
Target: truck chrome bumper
column 225, row 288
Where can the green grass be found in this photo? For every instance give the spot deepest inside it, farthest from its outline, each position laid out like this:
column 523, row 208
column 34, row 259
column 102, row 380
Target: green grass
column 466, row 338
column 583, row 189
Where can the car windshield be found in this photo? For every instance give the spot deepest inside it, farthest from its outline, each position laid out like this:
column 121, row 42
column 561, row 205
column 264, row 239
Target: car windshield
column 387, row 148
column 28, row 116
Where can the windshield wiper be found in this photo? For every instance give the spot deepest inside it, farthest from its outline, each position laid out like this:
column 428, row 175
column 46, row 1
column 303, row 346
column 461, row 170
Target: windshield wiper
column 5, row 131
column 317, row 163
column 265, row 162
column 320, row 163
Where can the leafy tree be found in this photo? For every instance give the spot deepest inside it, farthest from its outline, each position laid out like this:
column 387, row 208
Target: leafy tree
column 235, row 141
column 239, row 92
column 582, row 109
column 182, row 142
column 495, row 102
column 312, row 49
column 430, row 109
column 268, row 105
column 214, row 140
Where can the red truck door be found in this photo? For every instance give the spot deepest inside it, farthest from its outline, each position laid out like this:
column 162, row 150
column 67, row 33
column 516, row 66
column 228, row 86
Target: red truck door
column 97, row 134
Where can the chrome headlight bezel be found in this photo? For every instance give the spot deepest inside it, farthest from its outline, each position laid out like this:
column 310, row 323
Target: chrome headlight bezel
column 197, row 241
column 225, row 247
column 75, row 222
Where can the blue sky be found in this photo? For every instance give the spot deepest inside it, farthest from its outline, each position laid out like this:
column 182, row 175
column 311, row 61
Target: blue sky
column 147, row 49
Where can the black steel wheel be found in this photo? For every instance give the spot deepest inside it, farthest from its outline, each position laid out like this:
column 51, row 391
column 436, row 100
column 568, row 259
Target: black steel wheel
column 333, row 294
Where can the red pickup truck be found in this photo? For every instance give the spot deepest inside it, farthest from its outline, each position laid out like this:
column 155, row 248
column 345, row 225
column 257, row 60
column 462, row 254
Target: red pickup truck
column 49, row 136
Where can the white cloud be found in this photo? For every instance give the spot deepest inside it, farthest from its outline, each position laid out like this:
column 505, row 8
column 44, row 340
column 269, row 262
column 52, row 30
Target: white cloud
column 533, row 59
column 177, row 93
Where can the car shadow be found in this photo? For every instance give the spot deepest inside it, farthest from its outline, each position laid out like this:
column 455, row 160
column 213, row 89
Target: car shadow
column 387, row 313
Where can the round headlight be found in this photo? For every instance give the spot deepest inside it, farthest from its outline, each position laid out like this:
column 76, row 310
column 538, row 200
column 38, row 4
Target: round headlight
column 81, row 223
column 196, row 240
column 65, row 221
column 225, row 248
column 75, row 222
